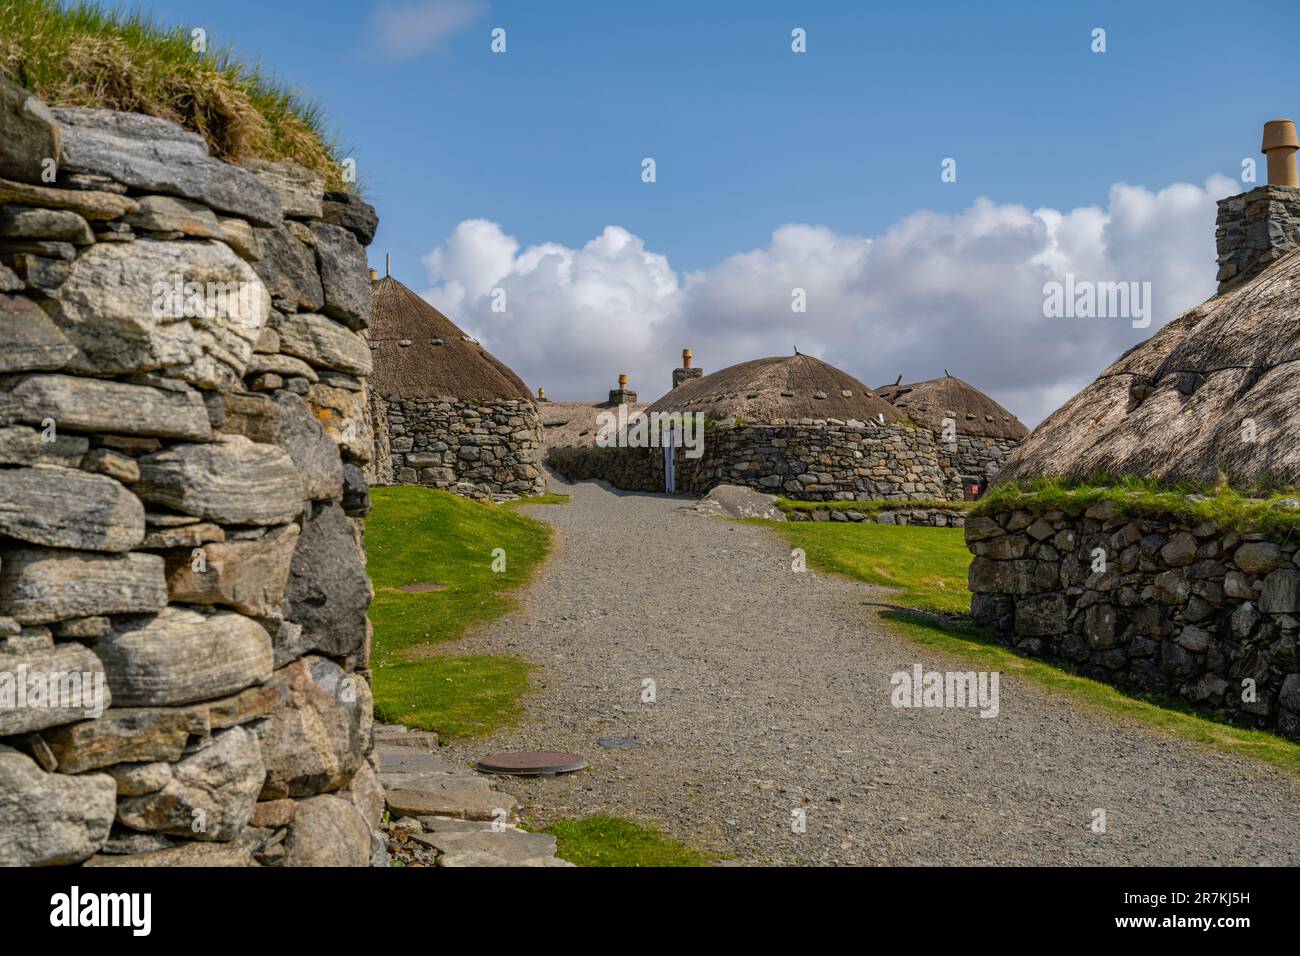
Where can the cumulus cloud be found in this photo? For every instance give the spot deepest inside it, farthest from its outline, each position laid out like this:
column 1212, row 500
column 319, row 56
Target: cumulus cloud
column 961, row 292
column 400, row 31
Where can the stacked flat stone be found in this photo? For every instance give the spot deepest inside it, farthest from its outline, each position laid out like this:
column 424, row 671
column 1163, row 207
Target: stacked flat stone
column 974, row 457
column 1254, row 229
column 475, row 448
column 1194, row 610
column 928, row 517
column 808, row 460
column 181, row 496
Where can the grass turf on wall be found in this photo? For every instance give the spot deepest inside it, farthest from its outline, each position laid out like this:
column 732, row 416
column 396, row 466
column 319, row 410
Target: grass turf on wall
column 420, row 535
column 86, row 55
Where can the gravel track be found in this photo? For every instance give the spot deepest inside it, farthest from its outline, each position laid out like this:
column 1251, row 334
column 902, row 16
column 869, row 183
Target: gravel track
column 773, row 694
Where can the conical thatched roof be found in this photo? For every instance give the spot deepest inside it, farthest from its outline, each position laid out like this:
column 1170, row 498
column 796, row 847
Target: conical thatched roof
column 1182, row 405
column 974, row 412
column 455, row 366
column 787, row 387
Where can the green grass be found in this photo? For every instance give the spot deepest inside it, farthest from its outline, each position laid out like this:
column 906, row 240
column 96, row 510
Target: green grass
column 1275, row 514
column 926, row 565
column 610, row 841
column 546, row 499
column 419, row 535
column 84, row 54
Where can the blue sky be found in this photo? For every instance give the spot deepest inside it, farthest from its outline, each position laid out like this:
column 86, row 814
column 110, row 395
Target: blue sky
column 546, row 140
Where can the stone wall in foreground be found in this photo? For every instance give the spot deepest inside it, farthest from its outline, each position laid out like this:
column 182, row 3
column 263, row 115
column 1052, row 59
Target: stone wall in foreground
column 182, row 438
column 1151, row 603
column 473, row 448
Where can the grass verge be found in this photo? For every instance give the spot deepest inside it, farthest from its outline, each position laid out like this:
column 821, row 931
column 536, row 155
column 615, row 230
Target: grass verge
column 420, row 536
column 1275, row 514
column 610, row 841
column 928, row 566
column 84, row 54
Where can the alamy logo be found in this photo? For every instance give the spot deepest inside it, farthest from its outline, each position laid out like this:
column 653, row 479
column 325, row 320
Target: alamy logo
column 922, row 688
column 1084, row 299
column 655, row 430
column 134, row 910
column 179, row 299
column 23, row 689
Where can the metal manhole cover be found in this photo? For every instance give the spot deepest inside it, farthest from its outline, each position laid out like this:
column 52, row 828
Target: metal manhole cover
column 531, row 763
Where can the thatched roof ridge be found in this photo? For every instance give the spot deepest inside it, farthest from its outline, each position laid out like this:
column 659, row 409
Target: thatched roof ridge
column 974, row 413
column 1181, row 405
column 456, row 366
column 786, row 387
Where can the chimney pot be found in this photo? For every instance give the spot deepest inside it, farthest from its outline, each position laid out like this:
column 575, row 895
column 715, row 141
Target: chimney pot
column 622, row 381
column 374, row 275
column 1280, row 145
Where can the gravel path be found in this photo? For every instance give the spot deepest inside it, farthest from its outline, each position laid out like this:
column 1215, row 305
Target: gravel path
column 773, row 695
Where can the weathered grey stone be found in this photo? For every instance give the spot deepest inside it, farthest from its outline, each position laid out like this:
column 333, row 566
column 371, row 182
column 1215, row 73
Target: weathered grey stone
column 51, row 818
column 120, row 735
column 210, row 795
column 344, row 275
column 122, row 302
column 39, row 586
column 188, row 536
column 324, row 343
column 51, row 686
column 327, row 831
column 106, row 461
column 181, row 656
column 249, row 704
column 240, row 852
column 154, row 155
column 301, row 190
column 1003, row 577
column 90, row 204
column 288, row 268
column 344, row 209
column 342, row 411
column 239, row 236
column 328, row 591
column 283, row 365
column 137, row 779
column 1041, row 615
column 247, row 575
column 9, row 281
column 1281, row 594
column 441, row 794
column 51, row 225
column 29, row 339
column 1258, row 557
column 31, row 141
column 171, row 215
column 90, row 628
column 315, row 743
column 69, row 509
column 1180, row 551
column 1289, row 696
column 87, row 404
column 231, row 480
column 1194, row 639
column 26, row 446
column 511, row 846
column 314, row 453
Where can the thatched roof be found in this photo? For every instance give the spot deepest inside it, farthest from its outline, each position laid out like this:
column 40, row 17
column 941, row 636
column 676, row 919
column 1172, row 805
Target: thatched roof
column 456, row 366
column 1179, row 406
column 973, row 412
column 575, row 424
column 788, row 387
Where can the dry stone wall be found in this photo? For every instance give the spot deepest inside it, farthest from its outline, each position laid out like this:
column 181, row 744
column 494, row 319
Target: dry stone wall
column 474, row 448
column 974, row 457
column 1208, row 614
column 182, row 443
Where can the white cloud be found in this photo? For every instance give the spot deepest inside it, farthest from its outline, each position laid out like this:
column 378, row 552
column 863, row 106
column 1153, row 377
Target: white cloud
column 960, row 292
column 400, row 31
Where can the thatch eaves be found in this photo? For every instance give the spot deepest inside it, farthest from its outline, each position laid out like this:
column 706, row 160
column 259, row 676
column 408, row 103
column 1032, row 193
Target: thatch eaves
column 973, row 412
column 420, row 353
column 780, row 388
column 1212, row 396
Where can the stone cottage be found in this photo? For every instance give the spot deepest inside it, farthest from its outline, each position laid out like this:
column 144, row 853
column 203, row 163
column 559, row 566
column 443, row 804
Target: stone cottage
column 444, row 411
column 974, row 431
column 1205, row 609
column 184, row 648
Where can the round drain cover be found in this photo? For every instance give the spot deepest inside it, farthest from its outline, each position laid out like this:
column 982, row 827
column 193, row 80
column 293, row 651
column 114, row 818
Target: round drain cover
column 531, row 763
